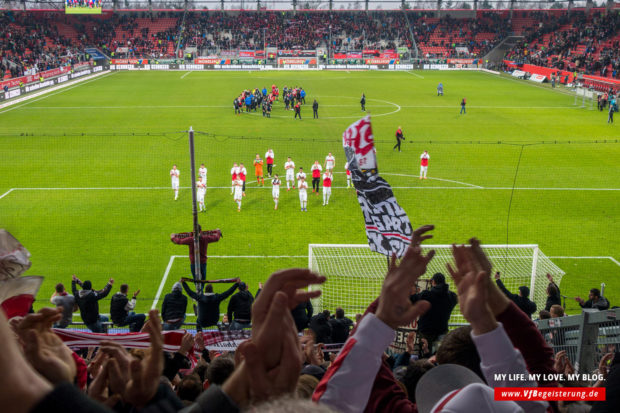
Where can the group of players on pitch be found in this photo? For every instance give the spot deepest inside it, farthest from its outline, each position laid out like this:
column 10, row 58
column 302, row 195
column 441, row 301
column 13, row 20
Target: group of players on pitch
column 239, row 174
column 253, row 99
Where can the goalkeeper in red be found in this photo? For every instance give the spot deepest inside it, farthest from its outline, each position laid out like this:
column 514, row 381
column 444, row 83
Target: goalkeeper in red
column 206, row 238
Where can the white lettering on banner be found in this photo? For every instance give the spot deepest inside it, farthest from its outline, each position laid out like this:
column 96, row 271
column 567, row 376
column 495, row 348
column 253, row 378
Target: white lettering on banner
column 297, row 67
column 160, row 67
column 39, row 85
column 403, row 67
column 79, row 74
column 97, row 69
column 62, row 79
column 13, row 93
column 191, row 67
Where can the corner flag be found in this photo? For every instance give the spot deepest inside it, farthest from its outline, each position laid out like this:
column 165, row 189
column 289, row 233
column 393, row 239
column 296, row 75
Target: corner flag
column 387, row 226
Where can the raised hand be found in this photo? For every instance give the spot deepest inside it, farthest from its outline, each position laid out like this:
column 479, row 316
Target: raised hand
column 473, row 296
column 44, row 349
column 145, row 374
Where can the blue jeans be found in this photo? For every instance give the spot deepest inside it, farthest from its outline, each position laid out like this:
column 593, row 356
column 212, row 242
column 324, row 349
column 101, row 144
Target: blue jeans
column 462, row 110
column 134, row 321
column 97, row 326
column 235, row 325
column 174, row 326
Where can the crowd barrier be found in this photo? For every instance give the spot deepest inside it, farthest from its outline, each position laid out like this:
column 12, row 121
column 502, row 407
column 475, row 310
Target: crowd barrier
column 586, row 338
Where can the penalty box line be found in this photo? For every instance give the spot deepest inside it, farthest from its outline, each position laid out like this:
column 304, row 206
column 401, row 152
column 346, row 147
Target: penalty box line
column 172, row 258
column 612, row 259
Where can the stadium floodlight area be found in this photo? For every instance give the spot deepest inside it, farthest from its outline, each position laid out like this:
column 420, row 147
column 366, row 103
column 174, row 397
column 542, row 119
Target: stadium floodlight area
column 355, row 273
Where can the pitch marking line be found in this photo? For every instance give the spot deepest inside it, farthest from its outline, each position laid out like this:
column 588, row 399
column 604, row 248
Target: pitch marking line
column 6, row 193
column 171, row 262
column 190, row 107
column 615, row 261
column 183, row 77
column 60, row 89
column 414, row 74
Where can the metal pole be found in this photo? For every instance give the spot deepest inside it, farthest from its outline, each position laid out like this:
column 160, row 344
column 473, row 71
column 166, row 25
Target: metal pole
column 197, row 273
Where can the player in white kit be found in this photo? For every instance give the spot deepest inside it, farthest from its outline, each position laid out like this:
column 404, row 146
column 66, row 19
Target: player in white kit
column 201, row 190
column 275, row 191
column 327, row 186
column 174, row 177
column 202, row 171
column 303, row 193
column 238, row 193
column 289, row 167
column 330, row 162
column 424, row 164
column 346, row 168
column 234, row 171
column 300, row 174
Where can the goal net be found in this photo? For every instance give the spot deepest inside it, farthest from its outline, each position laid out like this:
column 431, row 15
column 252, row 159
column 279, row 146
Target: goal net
column 355, row 273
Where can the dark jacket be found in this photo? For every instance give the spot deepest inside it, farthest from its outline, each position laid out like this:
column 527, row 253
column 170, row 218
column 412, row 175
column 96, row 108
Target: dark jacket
column 435, row 320
column 315, row 106
column 209, row 304
column 341, row 327
column 601, row 304
column 525, row 304
column 174, row 306
column 240, row 307
column 553, row 299
column 321, row 328
column 88, row 301
column 118, row 308
column 302, row 314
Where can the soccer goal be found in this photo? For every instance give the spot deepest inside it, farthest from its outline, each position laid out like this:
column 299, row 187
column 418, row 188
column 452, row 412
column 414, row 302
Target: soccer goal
column 355, row 273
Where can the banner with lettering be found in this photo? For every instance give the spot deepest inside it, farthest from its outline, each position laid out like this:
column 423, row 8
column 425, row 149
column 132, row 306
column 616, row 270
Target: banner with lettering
column 387, row 226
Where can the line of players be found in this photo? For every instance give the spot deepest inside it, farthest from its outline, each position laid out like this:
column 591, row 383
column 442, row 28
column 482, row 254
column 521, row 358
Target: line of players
column 253, row 99
column 239, row 174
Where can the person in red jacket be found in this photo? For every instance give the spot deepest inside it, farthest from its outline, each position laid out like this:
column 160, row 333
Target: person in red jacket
column 206, row 237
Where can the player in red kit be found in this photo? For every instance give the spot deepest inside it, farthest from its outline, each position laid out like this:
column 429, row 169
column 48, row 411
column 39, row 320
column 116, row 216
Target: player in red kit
column 424, row 164
column 327, row 186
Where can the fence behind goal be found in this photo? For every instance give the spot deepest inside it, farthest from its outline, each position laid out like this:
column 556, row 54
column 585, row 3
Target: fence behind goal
column 355, row 273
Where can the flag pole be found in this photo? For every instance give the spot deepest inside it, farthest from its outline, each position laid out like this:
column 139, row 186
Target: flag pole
column 196, row 229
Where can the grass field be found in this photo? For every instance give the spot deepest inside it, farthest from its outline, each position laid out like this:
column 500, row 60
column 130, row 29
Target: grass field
column 85, row 184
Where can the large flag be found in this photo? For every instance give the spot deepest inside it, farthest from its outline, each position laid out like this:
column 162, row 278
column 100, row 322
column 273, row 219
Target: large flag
column 16, row 293
column 387, row 226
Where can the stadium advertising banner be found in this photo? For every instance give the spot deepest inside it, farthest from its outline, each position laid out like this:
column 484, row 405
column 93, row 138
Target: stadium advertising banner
column 129, row 62
column 463, row 61
column 11, row 83
column 246, row 53
column 297, row 62
column 387, row 226
column 380, row 61
column 371, row 52
column 83, row 6
column 538, row 78
column 296, row 53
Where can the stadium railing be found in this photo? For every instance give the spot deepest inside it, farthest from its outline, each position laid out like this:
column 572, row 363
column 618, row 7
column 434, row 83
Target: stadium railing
column 586, row 337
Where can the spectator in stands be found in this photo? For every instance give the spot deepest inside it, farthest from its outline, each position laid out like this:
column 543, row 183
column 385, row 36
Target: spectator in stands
column 544, row 315
column 65, row 301
column 189, row 389
column 434, row 323
column 206, row 237
column 88, row 302
column 556, row 311
column 553, row 294
column 209, row 302
column 521, row 300
column 302, row 315
column 594, row 300
column 322, row 329
column 121, row 310
column 240, row 308
column 219, row 370
column 340, row 326
column 174, row 308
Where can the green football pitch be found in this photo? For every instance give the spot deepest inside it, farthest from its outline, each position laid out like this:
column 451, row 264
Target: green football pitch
column 85, row 173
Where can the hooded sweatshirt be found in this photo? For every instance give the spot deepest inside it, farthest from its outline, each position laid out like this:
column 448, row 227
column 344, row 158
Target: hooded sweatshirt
column 240, row 307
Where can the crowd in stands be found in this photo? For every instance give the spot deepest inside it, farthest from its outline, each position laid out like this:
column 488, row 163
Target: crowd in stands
column 284, row 366
column 29, row 46
column 576, row 41
column 581, row 42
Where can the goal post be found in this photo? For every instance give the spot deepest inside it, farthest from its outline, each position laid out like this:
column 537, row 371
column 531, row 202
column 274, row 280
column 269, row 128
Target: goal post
column 355, row 273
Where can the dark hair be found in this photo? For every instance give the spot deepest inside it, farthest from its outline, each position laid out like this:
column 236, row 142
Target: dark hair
column 439, row 278
column 339, row 312
column 60, row 287
column 190, row 387
column 219, row 370
column 552, row 291
column 413, row 374
column 242, row 286
column 87, row 285
column 544, row 315
column 209, row 288
column 124, row 288
column 457, row 347
column 326, row 313
column 525, row 291
column 595, row 292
